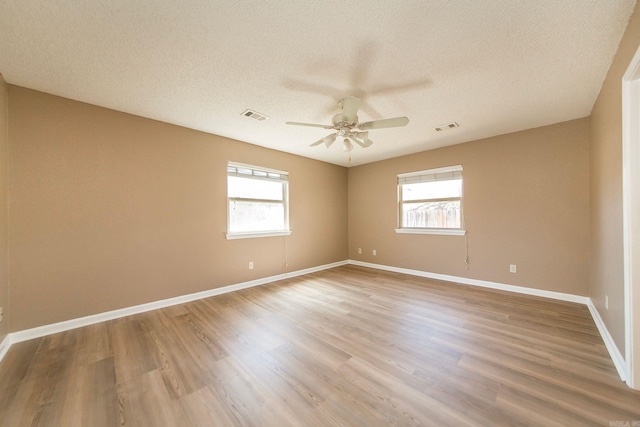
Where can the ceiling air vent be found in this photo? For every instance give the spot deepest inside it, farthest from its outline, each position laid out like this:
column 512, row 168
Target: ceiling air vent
column 255, row 115
column 446, row 127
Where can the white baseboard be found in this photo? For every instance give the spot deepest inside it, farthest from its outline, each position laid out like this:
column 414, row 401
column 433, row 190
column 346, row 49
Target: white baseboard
column 615, row 354
column 66, row 325
column 475, row 282
column 4, row 346
column 54, row 328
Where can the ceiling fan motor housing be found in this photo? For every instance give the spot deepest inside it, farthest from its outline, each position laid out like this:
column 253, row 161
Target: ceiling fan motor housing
column 340, row 120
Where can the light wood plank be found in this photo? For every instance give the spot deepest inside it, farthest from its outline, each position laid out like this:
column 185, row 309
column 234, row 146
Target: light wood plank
column 342, row 347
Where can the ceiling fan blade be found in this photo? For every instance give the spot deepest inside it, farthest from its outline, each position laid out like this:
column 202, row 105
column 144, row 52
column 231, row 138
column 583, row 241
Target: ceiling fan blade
column 310, row 125
column 327, row 140
column 350, row 106
column 384, row 123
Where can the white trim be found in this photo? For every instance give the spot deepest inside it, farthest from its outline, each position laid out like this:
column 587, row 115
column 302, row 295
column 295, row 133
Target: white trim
column 475, row 282
column 41, row 331
column 66, row 325
column 5, row 345
column 614, row 352
column 440, row 231
column 284, row 182
column 234, row 236
column 630, row 214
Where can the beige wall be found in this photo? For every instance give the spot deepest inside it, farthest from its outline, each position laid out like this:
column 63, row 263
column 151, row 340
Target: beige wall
column 606, row 189
column 526, row 203
column 109, row 210
column 4, row 148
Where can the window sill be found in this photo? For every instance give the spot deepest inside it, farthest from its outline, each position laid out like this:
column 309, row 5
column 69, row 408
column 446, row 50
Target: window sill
column 251, row 235
column 440, row 231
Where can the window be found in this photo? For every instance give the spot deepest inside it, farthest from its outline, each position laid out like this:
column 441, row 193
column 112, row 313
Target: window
column 257, row 201
column 430, row 201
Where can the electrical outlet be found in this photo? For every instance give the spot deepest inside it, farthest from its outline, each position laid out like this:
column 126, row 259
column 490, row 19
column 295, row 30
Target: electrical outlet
column 359, row 250
column 513, row 268
column 374, row 252
column 606, row 302
column 250, row 265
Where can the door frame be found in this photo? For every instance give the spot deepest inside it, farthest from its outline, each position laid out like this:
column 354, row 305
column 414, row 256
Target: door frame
column 631, row 216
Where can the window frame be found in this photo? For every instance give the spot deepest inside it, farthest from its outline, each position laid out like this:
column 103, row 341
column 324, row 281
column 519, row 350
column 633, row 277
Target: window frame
column 430, row 230
column 283, row 178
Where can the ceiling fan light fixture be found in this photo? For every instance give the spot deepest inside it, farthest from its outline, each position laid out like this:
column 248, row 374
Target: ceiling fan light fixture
column 347, row 146
column 329, row 139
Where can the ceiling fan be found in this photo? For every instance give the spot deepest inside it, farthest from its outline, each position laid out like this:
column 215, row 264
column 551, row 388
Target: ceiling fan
column 347, row 126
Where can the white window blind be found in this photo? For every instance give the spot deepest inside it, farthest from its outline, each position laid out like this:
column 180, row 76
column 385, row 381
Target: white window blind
column 441, row 174
column 246, row 171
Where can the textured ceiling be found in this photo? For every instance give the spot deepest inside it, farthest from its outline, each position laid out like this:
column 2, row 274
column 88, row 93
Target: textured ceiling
column 492, row 66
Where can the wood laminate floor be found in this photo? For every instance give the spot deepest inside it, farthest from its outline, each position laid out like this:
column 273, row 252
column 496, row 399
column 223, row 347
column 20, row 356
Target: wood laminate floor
column 346, row 347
